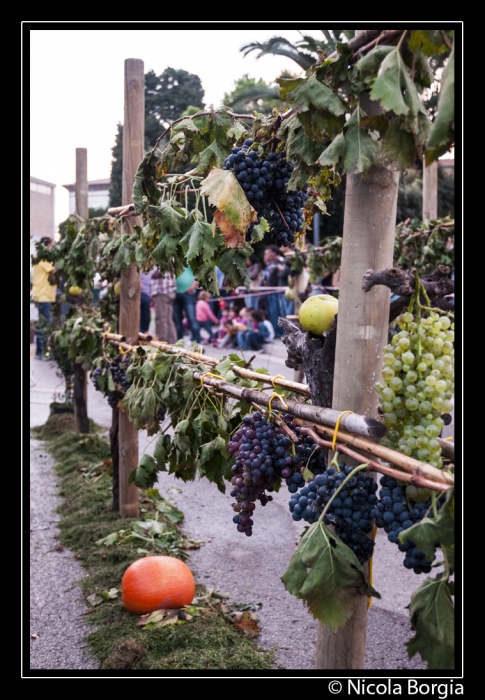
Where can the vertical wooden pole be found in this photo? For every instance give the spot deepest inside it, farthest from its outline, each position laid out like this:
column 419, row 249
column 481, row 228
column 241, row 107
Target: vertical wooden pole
column 80, row 384
column 362, row 332
column 430, row 191
column 129, row 323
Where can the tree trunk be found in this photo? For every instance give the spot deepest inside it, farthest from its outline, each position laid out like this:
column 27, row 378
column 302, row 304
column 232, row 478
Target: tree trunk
column 80, row 400
column 80, row 393
column 362, row 332
column 430, row 192
column 115, row 457
column 129, row 318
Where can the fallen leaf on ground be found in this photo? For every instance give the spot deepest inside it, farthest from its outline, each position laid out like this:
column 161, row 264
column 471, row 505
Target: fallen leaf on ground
column 247, row 622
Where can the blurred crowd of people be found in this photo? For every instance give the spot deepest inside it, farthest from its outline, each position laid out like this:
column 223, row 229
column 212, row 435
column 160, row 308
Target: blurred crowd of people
column 175, row 309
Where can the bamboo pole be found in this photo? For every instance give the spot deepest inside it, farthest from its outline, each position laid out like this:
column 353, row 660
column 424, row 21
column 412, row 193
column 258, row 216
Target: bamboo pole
column 276, row 380
column 414, row 470
column 129, row 321
column 124, row 210
column 80, row 384
column 408, row 464
column 414, row 478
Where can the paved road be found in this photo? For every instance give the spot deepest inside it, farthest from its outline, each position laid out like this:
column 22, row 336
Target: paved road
column 248, row 569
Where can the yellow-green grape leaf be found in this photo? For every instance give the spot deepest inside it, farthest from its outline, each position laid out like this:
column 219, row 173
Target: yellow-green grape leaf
column 234, row 213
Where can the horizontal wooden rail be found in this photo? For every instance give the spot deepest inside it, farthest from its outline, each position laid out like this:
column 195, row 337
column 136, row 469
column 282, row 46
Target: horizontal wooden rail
column 357, row 431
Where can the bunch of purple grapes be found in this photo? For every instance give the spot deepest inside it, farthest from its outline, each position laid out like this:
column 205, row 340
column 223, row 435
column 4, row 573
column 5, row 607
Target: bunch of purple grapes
column 264, row 180
column 118, row 368
column 395, row 512
column 264, row 455
column 350, row 512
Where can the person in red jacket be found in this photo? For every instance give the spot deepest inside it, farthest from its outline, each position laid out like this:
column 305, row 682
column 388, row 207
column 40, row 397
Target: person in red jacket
column 205, row 316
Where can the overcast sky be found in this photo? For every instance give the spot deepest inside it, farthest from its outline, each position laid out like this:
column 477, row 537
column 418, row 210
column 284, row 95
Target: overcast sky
column 77, row 83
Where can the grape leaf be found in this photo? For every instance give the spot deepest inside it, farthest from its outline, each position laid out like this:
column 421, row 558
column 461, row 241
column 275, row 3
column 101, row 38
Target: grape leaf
column 398, row 145
column 201, row 241
column 235, row 213
column 369, row 64
column 144, row 185
column 427, row 40
column 288, row 85
column 237, row 130
column 313, row 92
column 395, row 89
column 327, row 576
column 257, row 234
column 161, row 451
column 432, row 617
column 319, row 126
column 145, row 475
column 184, row 124
column 169, row 220
column 233, row 237
column 211, row 157
column 299, row 144
column 334, row 154
column 442, row 132
column 233, row 264
column 430, row 530
column 361, row 150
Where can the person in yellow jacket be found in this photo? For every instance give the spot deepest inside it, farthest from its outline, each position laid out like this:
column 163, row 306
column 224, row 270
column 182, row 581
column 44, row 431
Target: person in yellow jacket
column 44, row 295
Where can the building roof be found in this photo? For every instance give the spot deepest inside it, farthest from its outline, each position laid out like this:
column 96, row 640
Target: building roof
column 42, row 182
column 92, row 185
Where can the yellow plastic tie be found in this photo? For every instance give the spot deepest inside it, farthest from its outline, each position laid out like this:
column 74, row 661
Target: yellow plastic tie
column 106, row 333
column 369, row 602
column 280, row 376
column 210, row 374
column 337, row 427
column 275, row 395
column 125, row 352
column 449, row 438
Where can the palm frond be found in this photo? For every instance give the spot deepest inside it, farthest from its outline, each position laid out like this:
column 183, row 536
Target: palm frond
column 278, row 46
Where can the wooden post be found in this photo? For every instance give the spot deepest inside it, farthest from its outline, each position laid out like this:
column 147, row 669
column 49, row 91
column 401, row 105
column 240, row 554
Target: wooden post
column 430, row 191
column 80, row 384
column 362, row 332
column 129, row 321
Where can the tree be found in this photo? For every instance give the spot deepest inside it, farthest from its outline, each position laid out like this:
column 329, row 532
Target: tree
column 116, row 169
column 167, row 96
column 250, row 94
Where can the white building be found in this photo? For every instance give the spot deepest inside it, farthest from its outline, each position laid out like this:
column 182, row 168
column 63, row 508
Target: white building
column 98, row 195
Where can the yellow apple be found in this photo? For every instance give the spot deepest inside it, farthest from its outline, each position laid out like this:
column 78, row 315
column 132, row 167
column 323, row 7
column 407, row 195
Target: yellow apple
column 317, row 313
column 290, row 294
column 75, row 290
column 117, row 288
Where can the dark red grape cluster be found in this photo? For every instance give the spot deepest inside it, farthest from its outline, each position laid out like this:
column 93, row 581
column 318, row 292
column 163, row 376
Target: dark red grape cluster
column 396, row 511
column 264, row 455
column 350, row 511
column 117, row 368
column 264, row 180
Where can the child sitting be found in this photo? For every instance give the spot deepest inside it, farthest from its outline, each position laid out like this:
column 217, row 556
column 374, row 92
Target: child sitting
column 258, row 334
column 229, row 338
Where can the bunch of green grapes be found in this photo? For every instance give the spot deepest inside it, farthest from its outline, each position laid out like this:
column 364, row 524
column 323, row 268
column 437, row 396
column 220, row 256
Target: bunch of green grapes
column 417, row 385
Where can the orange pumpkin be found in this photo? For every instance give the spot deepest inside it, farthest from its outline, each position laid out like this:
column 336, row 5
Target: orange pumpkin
column 157, row 582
